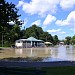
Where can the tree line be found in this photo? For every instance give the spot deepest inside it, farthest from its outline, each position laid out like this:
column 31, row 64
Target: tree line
column 10, row 33
column 69, row 40
column 16, row 33
column 37, row 32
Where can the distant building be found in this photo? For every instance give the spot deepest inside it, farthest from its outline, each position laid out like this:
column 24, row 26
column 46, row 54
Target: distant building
column 61, row 43
column 28, row 43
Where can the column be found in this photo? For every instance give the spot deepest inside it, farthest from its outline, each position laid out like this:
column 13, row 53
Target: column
column 26, row 44
column 31, row 43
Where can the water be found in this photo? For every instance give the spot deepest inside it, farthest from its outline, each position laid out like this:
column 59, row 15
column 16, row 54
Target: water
column 62, row 53
column 51, row 54
column 58, row 53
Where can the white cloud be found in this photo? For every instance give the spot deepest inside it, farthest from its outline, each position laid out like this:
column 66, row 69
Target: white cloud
column 70, row 20
column 42, row 7
column 20, row 3
column 49, row 19
column 66, row 4
column 56, row 31
column 39, row 6
column 37, row 22
column 53, row 30
column 62, row 22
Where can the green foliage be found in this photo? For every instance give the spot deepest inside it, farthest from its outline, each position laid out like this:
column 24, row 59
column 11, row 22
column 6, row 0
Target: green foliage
column 68, row 40
column 15, row 33
column 56, row 40
column 73, row 40
column 8, row 13
column 34, row 31
column 37, row 32
column 44, row 36
column 6, row 44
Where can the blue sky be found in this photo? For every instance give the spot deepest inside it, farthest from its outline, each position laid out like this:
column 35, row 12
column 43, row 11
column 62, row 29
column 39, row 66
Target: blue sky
column 55, row 16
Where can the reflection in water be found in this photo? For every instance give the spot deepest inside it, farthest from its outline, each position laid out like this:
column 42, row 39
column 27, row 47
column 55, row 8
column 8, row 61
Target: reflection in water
column 64, row 53
column 18, row 51
column 32, row 52
column 58, row 53
column 61, row 52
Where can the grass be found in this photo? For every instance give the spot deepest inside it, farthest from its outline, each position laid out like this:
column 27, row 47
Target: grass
column 67, row 70
column 60, row 70
column 1, row 48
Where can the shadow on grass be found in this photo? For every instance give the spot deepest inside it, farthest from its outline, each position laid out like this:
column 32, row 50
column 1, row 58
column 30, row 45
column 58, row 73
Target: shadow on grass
column 15, row 71
column 67, row 70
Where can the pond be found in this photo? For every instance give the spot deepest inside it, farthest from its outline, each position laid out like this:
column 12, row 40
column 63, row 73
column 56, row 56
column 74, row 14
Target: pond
column 57, row 53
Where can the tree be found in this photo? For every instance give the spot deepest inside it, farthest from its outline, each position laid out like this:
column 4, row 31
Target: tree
column 37, row 32
column 50, row 38
column 15, row 33
column 34, row 31
column 56, row 40
column 68, row 40
column 8, row 13
column 44, row 36
column 73, row 40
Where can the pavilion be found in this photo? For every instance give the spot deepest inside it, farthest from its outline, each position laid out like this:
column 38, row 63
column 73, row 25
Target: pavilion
column 29, row 42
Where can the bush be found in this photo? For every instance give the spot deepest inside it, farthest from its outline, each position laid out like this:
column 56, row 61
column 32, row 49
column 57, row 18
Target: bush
column 6, row 44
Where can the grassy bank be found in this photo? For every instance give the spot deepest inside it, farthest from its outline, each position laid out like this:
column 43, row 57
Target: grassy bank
column 68, row 70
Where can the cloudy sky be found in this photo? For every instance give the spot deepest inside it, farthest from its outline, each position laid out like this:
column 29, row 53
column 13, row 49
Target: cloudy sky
column 55, row 16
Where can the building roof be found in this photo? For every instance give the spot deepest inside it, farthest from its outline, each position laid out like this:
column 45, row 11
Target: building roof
column 33, row 39
column 30, row 39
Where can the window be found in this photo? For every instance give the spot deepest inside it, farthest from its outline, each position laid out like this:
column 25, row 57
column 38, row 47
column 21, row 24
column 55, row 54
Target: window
column 18, row 41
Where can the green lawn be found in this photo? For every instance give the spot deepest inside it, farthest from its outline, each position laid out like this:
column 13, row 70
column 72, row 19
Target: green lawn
column 39, row 71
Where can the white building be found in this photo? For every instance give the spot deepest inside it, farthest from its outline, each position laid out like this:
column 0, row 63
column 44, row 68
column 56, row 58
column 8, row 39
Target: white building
column 28, row 43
